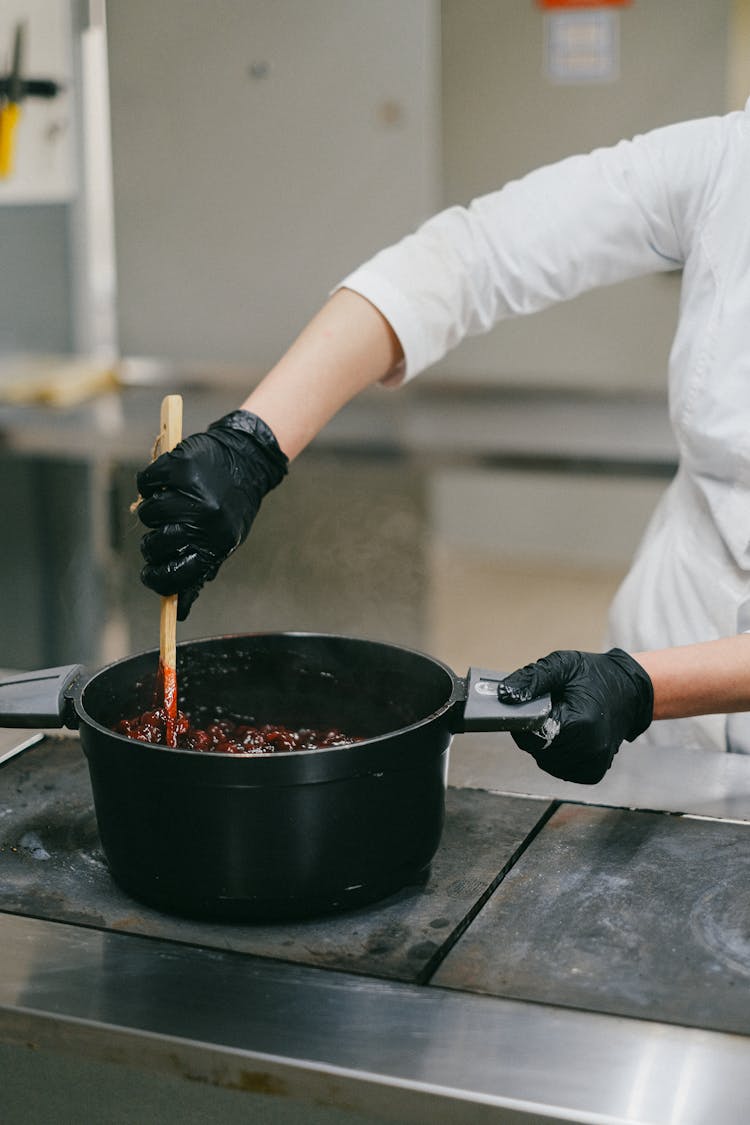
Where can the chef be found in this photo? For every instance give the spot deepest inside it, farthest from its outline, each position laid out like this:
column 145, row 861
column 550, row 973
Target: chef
column 675, row 198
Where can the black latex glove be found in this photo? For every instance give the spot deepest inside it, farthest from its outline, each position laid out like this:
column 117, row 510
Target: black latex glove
column 200, row 500
column 598, row 700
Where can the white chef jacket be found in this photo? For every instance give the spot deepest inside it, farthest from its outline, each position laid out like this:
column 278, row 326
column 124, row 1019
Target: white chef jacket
column 675, row 198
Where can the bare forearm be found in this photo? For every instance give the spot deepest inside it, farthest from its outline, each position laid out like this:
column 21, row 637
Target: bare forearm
column 345, row 348
column 700, row 679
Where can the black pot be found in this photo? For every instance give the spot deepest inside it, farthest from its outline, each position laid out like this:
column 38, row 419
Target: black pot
column 278, row 835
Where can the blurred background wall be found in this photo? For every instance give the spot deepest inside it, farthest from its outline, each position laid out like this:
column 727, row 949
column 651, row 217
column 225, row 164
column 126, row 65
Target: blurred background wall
column 259, row 151
column 503, row 116
column 317, row 133
column 232, row 119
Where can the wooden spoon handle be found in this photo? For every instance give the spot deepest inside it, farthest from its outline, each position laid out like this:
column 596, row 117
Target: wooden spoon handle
column 170, row 434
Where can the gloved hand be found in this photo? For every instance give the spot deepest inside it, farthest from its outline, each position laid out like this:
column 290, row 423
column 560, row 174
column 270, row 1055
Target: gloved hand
column 200, row 500
column 598, row 699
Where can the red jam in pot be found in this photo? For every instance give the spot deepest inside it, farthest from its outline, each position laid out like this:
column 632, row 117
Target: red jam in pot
column 225, row 737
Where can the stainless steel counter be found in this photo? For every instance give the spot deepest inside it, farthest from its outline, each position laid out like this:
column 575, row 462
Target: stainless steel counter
column 321, row 1037
column 691, row 782
column 327, row 1038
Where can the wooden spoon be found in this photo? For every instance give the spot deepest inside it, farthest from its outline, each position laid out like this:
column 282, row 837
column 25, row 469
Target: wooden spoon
column 169, row 435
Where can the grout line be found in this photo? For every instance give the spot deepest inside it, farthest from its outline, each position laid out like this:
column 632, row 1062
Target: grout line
column 457, row 933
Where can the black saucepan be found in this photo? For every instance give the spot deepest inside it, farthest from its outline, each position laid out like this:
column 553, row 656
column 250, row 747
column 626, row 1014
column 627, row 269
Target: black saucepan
column 281, row 835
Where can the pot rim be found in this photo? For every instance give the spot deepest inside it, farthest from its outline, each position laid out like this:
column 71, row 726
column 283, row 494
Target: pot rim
column 455, row 685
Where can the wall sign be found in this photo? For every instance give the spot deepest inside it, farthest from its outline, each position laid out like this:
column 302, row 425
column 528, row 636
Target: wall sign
column 582, row 47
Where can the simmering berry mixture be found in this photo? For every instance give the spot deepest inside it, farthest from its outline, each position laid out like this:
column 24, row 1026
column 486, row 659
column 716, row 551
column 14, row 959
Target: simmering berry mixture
column 224, row 737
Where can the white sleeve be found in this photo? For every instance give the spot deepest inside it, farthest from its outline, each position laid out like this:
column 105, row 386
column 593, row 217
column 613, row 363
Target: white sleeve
column 587, row 221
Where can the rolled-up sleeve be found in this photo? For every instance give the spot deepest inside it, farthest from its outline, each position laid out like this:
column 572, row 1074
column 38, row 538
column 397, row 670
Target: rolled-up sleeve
column 587, row 221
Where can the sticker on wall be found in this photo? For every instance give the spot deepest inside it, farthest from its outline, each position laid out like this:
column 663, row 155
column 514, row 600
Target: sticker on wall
column 584, row 3
column 582, row 46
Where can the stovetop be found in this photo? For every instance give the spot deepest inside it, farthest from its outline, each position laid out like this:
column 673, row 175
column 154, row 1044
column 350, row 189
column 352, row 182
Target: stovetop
column 51, row 866
column 609, row 910
column 639, row 913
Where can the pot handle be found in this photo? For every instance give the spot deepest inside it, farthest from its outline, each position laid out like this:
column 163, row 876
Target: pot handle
column 483, row 711
column 40, row 699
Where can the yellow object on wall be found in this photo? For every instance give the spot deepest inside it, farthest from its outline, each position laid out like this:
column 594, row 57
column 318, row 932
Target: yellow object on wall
column 9, row 117
column 37, row 150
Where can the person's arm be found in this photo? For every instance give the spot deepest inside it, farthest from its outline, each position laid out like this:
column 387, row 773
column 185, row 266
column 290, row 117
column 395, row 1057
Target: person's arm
column 587, row 221
column 200, row 499
column 345, row 348
column 700, row 679
column 600, row 700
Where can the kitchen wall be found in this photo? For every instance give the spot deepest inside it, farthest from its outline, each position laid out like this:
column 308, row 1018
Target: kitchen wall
column 236, row 212
column 36, row 297
column 218, row 193
column 260, row 152
column 246, row 185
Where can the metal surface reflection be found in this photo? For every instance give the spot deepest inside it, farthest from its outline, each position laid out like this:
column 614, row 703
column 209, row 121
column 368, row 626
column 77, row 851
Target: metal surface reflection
column 674, row 779
column 403, row 1051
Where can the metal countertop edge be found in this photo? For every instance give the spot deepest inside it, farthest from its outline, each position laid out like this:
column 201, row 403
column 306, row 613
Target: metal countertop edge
column 354, row 1042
